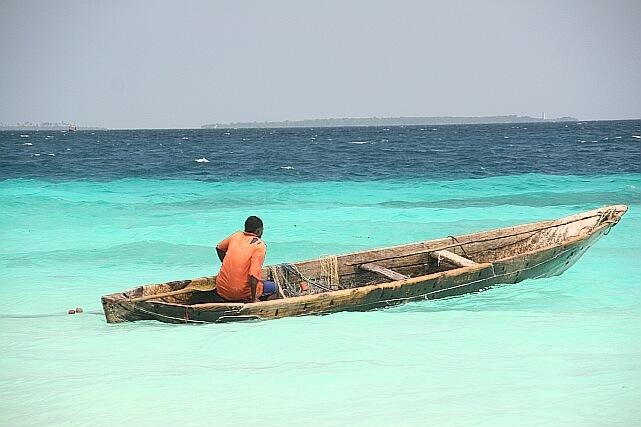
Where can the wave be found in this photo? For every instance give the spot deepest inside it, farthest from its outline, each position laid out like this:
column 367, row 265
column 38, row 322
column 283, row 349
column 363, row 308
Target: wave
column 141, row 252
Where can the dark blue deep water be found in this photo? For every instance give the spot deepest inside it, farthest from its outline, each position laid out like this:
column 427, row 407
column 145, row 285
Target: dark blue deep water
column 325, row 154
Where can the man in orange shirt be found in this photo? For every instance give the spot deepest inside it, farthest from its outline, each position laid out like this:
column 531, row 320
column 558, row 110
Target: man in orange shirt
column 242, row 255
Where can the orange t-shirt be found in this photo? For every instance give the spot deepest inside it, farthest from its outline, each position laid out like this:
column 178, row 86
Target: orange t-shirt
column 245, row 253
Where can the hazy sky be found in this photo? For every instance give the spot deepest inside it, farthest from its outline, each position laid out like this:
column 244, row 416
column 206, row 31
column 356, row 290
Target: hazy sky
column 186, row 63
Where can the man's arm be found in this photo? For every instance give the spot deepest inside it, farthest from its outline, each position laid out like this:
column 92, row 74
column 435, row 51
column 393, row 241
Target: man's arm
column 221, row 253
column 221, row 248
column 252, row 286
column 255, row 269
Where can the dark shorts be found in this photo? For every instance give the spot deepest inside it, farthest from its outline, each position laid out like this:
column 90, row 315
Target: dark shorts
column 269, row 288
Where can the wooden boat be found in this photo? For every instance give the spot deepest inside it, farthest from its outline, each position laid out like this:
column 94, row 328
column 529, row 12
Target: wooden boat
column 371, row 279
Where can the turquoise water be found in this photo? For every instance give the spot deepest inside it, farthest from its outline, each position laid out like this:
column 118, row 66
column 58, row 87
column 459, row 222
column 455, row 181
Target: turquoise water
column 548, row 352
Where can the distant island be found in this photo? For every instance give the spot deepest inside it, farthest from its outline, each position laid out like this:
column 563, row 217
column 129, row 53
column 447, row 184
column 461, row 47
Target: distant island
column 47, row 126
column 387, row 121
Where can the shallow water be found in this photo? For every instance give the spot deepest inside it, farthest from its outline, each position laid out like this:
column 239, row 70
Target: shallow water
column 563, row 350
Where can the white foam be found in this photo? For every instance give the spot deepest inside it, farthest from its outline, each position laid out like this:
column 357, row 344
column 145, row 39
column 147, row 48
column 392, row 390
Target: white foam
column 185, row 138
column 37, row 154
column 24, row 136
column 51, row 154
column 202, row 160
column 49, row 136
column 506, row 137
column 359, row 142
column 27, row 143
column 617, row 137
column 636, row 136
column 287, row 167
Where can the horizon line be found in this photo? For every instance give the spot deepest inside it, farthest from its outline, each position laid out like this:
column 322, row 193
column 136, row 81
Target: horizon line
column 202, row 126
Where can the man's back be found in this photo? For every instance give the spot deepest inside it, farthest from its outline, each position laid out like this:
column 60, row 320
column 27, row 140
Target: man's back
column 244, row 256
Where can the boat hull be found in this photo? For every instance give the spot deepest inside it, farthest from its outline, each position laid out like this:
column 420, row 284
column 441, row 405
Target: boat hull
column 546, row 261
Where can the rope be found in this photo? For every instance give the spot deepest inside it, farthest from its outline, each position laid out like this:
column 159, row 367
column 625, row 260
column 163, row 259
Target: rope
column 41, row 315
column 605, row 216
column 488, row 239
column 329, row 271
column 460, row 245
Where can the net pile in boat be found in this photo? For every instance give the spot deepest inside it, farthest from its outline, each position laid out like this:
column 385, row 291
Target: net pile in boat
column 294, row 283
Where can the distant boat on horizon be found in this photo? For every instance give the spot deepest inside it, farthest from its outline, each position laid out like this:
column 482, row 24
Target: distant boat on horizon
column 72, row 128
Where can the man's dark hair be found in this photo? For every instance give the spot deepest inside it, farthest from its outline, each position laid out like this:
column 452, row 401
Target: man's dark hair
column 252, row 224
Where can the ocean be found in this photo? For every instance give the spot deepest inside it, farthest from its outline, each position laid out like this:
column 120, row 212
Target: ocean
column 89, row 213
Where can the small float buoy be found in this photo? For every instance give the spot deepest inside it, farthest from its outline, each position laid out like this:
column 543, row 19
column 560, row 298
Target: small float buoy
column 71, row 311
column 79, row 310
column 304, row 287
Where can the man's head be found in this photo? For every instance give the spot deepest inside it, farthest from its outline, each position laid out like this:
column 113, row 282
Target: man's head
column 253, row 224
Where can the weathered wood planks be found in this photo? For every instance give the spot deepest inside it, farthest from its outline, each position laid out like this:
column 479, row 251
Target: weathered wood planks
column 385, row 272
column 452, row 258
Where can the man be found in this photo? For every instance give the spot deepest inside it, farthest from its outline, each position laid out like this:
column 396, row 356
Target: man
column 242, row 255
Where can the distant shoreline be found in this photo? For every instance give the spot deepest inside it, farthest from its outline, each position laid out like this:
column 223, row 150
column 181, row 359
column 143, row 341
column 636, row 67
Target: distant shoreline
column 48, row 128
column 388, row 121
column 348, row 122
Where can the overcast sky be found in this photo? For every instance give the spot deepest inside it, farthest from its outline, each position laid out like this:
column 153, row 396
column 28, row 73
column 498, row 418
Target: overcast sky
column 147, row 64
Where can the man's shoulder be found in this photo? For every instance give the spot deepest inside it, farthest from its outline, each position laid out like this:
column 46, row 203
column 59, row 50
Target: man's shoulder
column 257, row 241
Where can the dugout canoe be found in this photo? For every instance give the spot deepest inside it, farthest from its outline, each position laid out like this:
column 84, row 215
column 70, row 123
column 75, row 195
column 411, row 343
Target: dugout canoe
column 377, row 278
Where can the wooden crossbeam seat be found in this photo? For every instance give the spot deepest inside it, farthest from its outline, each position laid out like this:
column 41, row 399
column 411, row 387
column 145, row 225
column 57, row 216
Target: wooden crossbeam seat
column 452, row 258
column 390, row 274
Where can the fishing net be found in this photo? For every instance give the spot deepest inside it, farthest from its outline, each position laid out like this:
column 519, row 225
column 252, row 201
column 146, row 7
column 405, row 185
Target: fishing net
column 293, row 282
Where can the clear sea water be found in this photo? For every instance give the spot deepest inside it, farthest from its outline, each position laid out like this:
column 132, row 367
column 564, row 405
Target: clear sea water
column 88, row 213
